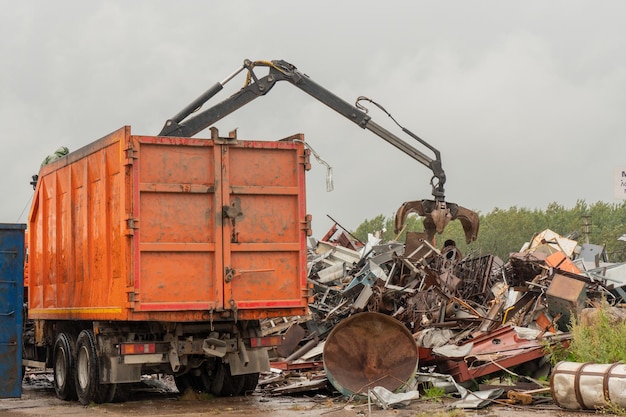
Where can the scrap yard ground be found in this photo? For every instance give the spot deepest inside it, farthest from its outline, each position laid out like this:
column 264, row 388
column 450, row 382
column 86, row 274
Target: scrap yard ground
column 490, row 340
column 162, row 399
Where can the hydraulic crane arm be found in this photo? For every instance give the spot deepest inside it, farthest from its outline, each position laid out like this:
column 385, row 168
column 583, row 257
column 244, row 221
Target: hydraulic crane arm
column 283, row 71
column 437, row 213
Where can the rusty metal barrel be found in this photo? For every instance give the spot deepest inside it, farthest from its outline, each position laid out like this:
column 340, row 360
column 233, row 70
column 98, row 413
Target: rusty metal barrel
column 368, row 350
column 587, row 386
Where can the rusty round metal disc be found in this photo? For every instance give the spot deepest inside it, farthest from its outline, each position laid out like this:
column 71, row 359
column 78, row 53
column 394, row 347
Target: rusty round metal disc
column 368, row 350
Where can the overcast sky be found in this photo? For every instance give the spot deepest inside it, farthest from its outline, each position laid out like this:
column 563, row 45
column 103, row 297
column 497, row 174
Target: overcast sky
column 525, row 100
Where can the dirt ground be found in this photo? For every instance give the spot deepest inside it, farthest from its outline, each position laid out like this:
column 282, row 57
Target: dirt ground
column 160, row 398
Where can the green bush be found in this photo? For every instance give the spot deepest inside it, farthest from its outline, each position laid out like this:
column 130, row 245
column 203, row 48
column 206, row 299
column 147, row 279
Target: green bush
column 603, row 341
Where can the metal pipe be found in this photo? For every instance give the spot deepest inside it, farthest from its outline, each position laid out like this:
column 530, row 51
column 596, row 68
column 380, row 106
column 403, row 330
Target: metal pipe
column 304, row 349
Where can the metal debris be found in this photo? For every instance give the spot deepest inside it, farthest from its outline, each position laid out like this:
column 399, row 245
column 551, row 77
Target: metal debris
column 469, row 316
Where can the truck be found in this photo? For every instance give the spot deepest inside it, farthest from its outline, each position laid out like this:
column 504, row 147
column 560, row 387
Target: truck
column 162, row 254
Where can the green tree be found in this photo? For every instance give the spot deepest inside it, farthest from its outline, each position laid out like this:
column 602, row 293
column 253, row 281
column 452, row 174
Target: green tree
column 503, row 231
column 380, row 223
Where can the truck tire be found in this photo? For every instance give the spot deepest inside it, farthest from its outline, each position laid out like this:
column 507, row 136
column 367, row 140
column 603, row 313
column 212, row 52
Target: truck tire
column 88, row 386
column 224, row 384
column 183, row 382
column 121, row 393
column 63, row 357
column 250, row 381
column 110, row 393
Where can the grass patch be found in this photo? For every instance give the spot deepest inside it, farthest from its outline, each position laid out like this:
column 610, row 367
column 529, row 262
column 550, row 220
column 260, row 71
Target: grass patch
column 612, row 409
column 597, row 338
column 432, row 392
column 602, row 340
column 191, row 395
column 556, row 352
column 457, row 412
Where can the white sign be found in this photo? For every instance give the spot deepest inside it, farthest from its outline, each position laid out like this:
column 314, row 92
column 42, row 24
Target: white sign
column 619, row 190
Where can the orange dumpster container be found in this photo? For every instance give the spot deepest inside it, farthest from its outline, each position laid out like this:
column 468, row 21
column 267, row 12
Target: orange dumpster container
column 140, row 228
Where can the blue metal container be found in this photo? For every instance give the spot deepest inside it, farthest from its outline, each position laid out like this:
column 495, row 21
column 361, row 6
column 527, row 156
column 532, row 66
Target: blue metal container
column 11, row 308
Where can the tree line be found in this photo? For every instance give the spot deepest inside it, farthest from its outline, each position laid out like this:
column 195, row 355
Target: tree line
column 503, row 231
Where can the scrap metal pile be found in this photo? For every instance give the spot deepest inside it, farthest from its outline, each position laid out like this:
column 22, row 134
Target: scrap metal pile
column 470, row 316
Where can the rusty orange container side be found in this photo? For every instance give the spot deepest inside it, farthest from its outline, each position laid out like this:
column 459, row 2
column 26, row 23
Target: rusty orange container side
column 264, row 181
column 172, row 229
column 26, row 259
column 177, row 245
column 77, row 249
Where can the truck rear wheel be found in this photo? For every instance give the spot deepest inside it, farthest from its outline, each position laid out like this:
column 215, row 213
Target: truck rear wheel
column 88, row 386
column 184, row 382
column 224, row 383
column 63, row 357
column 250, row 381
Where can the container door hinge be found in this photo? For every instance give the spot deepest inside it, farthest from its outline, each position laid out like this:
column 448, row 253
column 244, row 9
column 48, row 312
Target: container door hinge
column 132, row 224
column 130, row 154
column 133, row 297
column 306, row 159
column 306, row 224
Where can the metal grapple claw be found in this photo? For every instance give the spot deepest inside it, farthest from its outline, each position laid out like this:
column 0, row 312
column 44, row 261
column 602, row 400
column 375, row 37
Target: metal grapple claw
column 437, row 215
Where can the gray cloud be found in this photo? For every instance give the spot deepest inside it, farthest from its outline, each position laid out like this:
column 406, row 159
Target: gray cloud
column 524, row 100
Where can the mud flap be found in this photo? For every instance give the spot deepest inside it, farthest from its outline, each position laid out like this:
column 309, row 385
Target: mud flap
column 257, row 361
column 113, row 371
